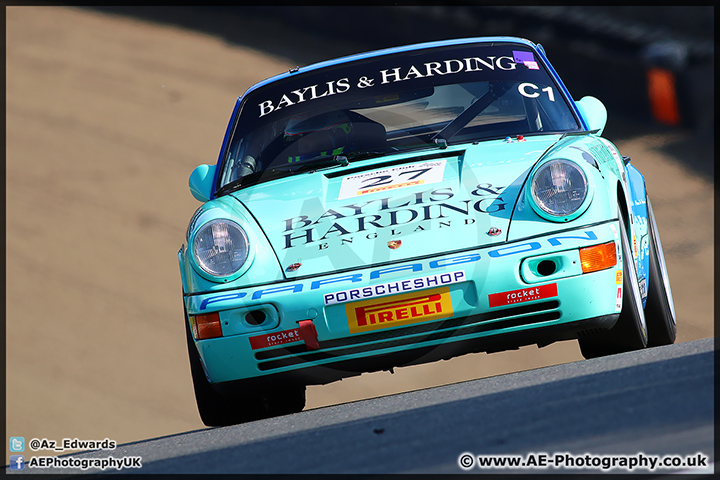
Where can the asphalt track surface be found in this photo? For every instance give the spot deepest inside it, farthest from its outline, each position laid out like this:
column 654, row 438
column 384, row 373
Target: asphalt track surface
column 653, row 402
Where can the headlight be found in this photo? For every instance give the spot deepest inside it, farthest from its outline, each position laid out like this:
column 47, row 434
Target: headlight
column 220, row 247
column 559, row 188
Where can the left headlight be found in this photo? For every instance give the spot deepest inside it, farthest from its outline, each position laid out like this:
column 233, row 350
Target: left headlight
column 558, row 189
column 220, row 247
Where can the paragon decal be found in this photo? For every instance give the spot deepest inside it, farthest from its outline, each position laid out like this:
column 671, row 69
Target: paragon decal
column 522, row 295
column 277, row 338
column 394, row 287
column 355, row 218
column 577, row 238
column 399, row 310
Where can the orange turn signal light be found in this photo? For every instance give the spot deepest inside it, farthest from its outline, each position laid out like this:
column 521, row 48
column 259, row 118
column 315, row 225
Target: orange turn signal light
column 206, row 326
column 598, row 257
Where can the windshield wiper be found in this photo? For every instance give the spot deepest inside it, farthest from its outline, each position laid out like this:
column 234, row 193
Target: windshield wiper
column 495, row 91
column 313, row 164
column 281, row 171
column 342, row 160
column 249, row 179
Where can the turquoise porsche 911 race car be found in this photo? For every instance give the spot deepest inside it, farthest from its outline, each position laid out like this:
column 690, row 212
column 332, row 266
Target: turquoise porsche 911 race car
column 408, row 205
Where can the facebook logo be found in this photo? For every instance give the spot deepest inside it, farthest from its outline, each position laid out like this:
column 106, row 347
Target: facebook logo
column 17, row 444
column 17, row 462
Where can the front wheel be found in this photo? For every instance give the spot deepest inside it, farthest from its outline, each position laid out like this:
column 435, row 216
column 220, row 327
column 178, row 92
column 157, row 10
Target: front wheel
column 630, row 331
column 659, row 307
column 238, row 405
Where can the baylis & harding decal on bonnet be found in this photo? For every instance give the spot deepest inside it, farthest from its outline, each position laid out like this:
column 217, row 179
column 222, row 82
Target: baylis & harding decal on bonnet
column 369, row 217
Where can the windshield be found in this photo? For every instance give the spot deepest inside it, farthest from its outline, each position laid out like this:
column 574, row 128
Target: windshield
column 389, row 104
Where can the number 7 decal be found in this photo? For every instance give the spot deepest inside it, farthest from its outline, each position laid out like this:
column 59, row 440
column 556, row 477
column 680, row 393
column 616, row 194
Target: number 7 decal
column 392, row 178
column 385, row 179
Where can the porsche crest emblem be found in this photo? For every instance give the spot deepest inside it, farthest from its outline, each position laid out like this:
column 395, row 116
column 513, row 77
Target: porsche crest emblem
column 394, row 244
column 293, row 267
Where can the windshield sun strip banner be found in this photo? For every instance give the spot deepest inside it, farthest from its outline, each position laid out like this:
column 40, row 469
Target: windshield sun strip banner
column 381, row 76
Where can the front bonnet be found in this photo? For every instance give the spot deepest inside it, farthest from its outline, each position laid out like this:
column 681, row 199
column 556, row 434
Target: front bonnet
column 393, row 208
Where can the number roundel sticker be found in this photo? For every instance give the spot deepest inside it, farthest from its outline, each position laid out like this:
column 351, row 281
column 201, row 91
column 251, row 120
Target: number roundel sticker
column 391, row 178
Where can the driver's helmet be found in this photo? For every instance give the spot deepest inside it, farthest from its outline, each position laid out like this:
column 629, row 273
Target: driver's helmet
column 316, row 136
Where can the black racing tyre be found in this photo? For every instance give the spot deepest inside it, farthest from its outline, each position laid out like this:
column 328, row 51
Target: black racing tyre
column 218, row 409
column 214, row 410
column 630, row 331
column 659, row 306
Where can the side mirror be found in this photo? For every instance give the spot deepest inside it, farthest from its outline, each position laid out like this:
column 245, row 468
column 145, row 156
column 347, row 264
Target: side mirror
column 201, row 182
column 593, row 112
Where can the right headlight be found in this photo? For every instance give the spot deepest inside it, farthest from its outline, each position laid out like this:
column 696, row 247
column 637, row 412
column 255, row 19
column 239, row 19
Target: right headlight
column 559, row 189
column 220, row 247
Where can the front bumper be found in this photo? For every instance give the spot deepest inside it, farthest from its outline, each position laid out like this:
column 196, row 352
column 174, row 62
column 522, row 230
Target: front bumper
column 488, row 299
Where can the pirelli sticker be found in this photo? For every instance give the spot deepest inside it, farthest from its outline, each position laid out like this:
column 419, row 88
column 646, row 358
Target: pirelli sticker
column 398, row 310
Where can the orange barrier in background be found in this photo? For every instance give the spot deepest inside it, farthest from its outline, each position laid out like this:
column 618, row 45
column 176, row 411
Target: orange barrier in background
column 663, row 99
